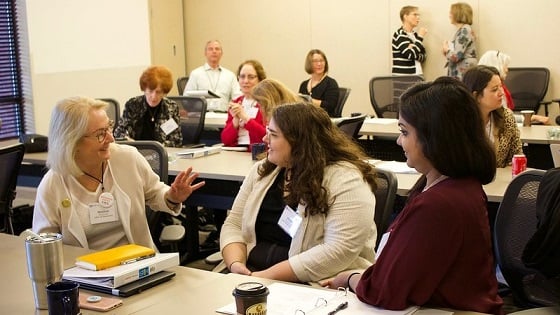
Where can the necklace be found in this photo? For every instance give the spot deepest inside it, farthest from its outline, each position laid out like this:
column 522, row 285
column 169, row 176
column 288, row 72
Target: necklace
column 437, row 180
column 310, row 84
column 97, row 179
column 153, row 112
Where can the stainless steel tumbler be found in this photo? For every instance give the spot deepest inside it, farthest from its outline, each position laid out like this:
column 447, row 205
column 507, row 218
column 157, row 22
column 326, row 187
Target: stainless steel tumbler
column 44, row 264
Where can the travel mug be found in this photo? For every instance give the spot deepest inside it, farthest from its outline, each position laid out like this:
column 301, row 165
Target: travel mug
column 44, row 264
column 250, row 298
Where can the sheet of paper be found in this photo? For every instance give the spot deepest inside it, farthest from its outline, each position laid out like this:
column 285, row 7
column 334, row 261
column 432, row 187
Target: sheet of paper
column 286, row 299
column 394, row 166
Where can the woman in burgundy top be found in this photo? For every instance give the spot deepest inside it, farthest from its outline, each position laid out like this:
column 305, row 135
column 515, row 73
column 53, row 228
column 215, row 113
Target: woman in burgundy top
column 438, row 251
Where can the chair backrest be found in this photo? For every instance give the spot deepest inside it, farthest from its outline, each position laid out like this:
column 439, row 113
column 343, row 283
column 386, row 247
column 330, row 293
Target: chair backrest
column 156, row 155
column 384, row 93
column 343, row 94
column 515, row 223
column 10, row 163
column 351, row 125
column 384, row 201
column 113, row 110
column 181, row 83
column 193, row 113
column 528, row 86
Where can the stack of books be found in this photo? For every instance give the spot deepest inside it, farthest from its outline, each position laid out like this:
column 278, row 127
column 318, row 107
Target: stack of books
column 108, row 270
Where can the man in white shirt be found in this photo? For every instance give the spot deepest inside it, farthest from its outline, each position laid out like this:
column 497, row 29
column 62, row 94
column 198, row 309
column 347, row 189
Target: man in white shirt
column 213, row 77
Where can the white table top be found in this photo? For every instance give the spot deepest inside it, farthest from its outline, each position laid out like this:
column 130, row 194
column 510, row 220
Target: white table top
column 191, row 291
column 234, row 166
column 16, row 295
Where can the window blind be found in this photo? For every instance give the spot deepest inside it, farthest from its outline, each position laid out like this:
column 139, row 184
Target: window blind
column 11, row 100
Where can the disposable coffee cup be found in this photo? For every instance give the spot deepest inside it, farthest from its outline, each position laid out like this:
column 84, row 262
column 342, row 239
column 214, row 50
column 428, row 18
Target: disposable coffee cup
column 63, row 298
column 250, row 298
column 257, row 149
column 527, row 114
column 44, row 264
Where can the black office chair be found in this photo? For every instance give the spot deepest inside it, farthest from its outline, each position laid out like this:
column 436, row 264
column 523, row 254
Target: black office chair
column 385, row 194
column 181, row 83
column 528, row 87
column 351, row 125
column 384, row 93
column 515, row 223
column 343, row 94
column 193, row 113
column 165, row 231
column 10, row 163
column 113, row 110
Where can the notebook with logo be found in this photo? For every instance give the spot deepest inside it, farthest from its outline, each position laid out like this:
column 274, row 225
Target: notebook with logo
column 132, row 287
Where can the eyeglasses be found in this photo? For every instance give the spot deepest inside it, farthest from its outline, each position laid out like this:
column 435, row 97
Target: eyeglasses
column 248, row 76
column 318, row 60
column 101, row 133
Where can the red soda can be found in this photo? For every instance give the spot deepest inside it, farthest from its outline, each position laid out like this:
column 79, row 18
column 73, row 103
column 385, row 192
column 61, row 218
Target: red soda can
column 518, row 164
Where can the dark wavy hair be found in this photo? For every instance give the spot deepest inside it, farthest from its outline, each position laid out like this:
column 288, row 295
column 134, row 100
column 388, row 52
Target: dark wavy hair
column 316, row 143
column 450, row 129
column 476, row 79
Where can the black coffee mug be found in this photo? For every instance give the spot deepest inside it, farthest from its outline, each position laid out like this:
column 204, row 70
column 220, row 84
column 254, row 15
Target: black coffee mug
column 63, row 298
column 257, row 149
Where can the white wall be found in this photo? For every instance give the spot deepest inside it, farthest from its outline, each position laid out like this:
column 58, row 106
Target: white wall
column 356, row 36
column 99, row 48
column 90, row 48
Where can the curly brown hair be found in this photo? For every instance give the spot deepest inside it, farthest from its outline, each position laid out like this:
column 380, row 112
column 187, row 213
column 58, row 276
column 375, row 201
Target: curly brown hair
column 314, row 147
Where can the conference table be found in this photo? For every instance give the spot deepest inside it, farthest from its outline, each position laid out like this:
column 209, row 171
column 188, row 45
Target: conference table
column 191, row 291
column 388, row 128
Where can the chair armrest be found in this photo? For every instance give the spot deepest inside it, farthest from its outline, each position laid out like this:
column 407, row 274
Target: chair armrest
column 172, row 233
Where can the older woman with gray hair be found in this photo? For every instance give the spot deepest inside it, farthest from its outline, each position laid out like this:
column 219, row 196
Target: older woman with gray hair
column 500, row 61
column 96, row 191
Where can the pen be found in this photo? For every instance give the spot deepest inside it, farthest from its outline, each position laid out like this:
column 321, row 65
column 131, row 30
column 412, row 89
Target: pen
column 339, row 308
column 133, row 260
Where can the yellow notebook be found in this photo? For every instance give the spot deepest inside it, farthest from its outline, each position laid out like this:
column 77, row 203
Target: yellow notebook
column 114, row 256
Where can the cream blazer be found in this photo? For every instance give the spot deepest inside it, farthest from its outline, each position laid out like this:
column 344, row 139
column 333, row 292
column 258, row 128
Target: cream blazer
column 323, row 245
column 134, row 185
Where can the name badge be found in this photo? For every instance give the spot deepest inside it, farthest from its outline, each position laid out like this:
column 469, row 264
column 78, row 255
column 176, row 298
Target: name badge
column 169, row 126
column 99, row 213
column 289, row 221
column 382, row 243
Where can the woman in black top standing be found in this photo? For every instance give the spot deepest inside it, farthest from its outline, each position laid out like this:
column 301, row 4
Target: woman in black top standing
column 322, row 88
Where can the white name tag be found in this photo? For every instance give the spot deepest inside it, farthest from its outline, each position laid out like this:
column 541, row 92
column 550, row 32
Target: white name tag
column 100, row 214
column 289, row 221
column 169, row 126
column 382, row 243
column 252, row 112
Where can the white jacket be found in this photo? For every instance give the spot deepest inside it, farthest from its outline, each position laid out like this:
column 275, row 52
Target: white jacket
column 323, row 245
column 134, row 185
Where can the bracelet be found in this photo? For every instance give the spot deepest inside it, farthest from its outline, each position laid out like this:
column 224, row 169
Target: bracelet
column 171, row 202
column 348, row 281
column 233, row 262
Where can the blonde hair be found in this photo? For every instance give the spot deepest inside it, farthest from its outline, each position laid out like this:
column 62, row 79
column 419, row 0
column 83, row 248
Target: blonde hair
column 462, row 13
column 270, row 93
column 69, row 123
